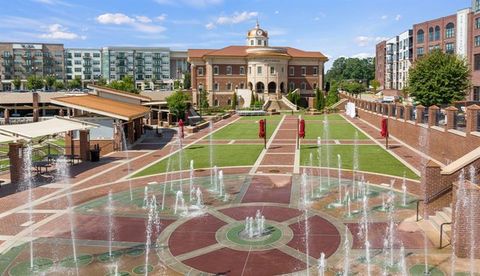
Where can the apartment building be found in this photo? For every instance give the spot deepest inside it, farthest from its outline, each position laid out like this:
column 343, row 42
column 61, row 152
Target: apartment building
column 22, row 60
column 85, row 64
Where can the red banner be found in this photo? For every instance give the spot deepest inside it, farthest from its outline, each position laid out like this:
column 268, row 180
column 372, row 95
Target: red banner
column 301, row 130
column 261, row 129
column 384, row 131
column 180, row 125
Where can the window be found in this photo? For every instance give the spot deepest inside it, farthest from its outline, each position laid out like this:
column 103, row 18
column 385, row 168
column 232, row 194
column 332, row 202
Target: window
column 242, row 70
column 251, row 42
column 242, row 85
column 77, row 55
column 78, row 62
column 437, row 33
column 450, row 30
column 229, row 70
column 229, row 86
column 229, row 102
column 200, row 71
column 215, row 86
column 249, row 70
column 450, row 48
column 304, row 71
column 476, row 6
column 303, row 86
column 476, row 93
column 292, row 71
column 272, row 70
column 477, row 41
column 292, row 86
column 259, row 43
column 430, row 34
column 215, row 103
column 420, row 51
column 78, row 70
column 96, row 55
column 215, row 70
column 476, row 62
column 314, row 86
column 259, row 70
column 477, row 23
column 315, row 71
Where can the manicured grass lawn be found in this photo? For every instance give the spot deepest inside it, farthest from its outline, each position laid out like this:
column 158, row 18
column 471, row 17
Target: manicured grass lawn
column 333, row 117
column 257, row 118
column 244, row 130
column 224, row 156
column 339, row 130
column 371, row 158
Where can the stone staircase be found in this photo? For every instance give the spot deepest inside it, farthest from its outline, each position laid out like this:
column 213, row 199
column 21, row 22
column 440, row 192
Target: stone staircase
column 277, row 105
column 432, row 225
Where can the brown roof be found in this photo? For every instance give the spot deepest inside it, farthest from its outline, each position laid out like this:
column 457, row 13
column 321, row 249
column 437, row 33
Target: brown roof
column 241, row 51
column 119, row 92
column 103, row 106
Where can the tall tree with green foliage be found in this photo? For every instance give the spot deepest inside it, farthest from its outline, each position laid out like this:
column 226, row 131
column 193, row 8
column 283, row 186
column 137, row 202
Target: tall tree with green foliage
column 178, row 103
column 319, row 100
column 34, row 82
column 351, row 69
column 16, row 83
column 127, row 84
column 187, row 80
column 234, row 100
column 59, row 85
column 439, row 79
column 332, row 96
column 375, row 85
column 76, row 83
column 354, row 88
column 203, row 101
column 49, row 82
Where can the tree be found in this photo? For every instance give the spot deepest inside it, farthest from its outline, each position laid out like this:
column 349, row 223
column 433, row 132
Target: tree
column 176, row 84
column 34, row 83
column 16, row 83
column 49, row 82
column 252, row 101
column 332, row 96
column 351, row 69
column 76, row 83
column 59, row 85
column 178, row 103
column 101, row 81
column 234, row 100
column 293, row 97
column 187, row 80
column 439, row 79
column 354, row 87
column 127, row 84
column 203, row 99
column 319, row 100
column 375, row 85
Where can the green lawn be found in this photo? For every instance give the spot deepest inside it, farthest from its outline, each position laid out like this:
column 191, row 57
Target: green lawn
column 339, row 130
column 244, row 130
column 224, row 156
column 332, row 117
column 372, row 158
column 257, row 118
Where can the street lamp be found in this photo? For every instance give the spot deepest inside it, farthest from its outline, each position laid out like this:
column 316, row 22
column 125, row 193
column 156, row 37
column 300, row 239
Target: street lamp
column 200, row 89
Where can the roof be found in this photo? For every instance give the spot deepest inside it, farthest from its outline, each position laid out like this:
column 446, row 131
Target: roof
column 103, row 106
column 118, row 92
column 5, row 138
column 27, row 98
column 156, row 96
column 241, row 51
column 43, row 128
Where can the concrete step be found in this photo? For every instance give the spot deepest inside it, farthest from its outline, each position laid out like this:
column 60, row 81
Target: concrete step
column 448, row 211
column 438, row 220
column 444, row 215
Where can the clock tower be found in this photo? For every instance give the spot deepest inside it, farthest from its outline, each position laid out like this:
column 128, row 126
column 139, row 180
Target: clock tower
column 257, row 37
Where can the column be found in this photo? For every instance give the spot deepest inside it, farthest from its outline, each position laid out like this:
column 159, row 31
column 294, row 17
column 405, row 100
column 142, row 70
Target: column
column 84, row 142
column 130, row 132
column 6, row 116
column 408, row 112
column 16, row 162
column 472, row 118
column 420, row 109
column 170, row 118
column 69, row 143
column 399, row 111
column 35, row 106
column 432, row 115
column 391, row 107
column 451, row 110
column 159, row 118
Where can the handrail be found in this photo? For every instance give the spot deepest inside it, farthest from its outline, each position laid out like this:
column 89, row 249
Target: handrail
column 441, row 233
column 418, row 205
column 439, row 194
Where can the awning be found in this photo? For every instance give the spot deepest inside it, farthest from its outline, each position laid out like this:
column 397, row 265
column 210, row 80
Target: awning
column 5, row 138
column 43, row 128
column 103, row 106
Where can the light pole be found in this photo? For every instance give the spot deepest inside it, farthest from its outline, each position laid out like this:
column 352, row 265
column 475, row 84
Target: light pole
column 200, row 89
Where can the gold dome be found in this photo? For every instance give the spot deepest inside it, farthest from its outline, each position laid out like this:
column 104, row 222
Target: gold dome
column 257, row 31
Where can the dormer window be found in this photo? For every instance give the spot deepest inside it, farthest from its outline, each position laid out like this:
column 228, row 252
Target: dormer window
column 251, row 42
column 260, row 43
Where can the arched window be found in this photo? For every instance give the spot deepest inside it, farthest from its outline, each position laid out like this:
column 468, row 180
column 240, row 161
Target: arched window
column 430, row 34
column 437, row 33
column 450, row 30
column 420, row 36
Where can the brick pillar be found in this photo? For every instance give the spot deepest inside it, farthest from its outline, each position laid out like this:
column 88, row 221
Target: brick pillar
column 84, row 142
column 432, row 115
column 408, row 112
column 138, row 128
column 35, row 106
column 472, row 118
column 431, row 183
column 69, row 144
column 117, row 136
column 6, row 116
column 16, row 162
column 420, row 109
column 193, row 70
column 391, row 107
column 130, row 132
column 169, row 118
column 466, row 218
column 159, row 120
column 450, row 117
column 399, row 110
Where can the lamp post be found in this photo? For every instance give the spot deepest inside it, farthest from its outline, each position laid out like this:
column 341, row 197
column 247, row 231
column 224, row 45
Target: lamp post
column 200, row 89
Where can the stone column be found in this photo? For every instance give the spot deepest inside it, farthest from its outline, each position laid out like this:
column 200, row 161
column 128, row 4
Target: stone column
column 408, row 112
column 16, row 162
column 84, row 141
column 464, row 219
column 472, row 118
column 450, row 117
column 420, row 109
column 193, row 70
column 35, row 106
column 432, row 115
column 6, row 116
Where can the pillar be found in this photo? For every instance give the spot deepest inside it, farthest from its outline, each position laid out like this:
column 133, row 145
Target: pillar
column 399, row 111
column 451, row 110
column 6, row 116
column 420, row 109
column 431, row 183
column 170, row 119
column 35, row 106
column 84, row 142
column 472, row 118
column 137, row 123
column 432, row 115
column 16, row 162
column 69, row 144
column 408, row 112
column 117, row 136
column 60, row 112
column 159, row 116
column 391, row 107
column 130, row 132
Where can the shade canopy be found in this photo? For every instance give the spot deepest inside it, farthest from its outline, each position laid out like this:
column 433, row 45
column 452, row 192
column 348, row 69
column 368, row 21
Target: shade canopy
column 5, row 138
column 43, row 128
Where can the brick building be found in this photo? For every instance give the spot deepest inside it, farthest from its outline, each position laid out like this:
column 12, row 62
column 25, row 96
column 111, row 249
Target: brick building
column 268, row 71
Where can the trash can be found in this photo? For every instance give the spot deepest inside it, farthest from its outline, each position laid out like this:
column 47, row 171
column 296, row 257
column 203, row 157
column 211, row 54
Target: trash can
column 95, row 154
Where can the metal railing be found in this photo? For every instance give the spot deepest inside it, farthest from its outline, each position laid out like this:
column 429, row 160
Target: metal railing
column 441, row 233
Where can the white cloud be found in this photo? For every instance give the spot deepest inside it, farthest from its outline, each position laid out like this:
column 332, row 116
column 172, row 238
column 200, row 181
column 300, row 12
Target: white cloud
column 53, row 2
column 316, row 18
column 161, row 17
column 235, row 18
column 363, row 41
column 384, row 17
column 140, row 23
column 57, row 31
column 277, row 12
column 398, row 17
column 115, row 18
column 363, row 55
column 192, row 3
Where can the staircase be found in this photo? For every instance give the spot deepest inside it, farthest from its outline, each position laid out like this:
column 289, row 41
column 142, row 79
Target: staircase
column 432, row 226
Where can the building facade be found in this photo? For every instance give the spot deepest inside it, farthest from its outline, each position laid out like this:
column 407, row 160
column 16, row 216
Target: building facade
column 258, row 67
column 85, row 64
column 22, row 60
column 178, row 64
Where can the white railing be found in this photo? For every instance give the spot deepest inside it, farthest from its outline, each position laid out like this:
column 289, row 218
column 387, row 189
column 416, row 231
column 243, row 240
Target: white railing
column 288, row 102
column 266, row 105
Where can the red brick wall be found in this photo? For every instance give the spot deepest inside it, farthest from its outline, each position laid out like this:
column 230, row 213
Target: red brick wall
column 380, row 63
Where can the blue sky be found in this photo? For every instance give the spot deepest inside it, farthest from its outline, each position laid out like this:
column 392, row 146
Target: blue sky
column 334, row 27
